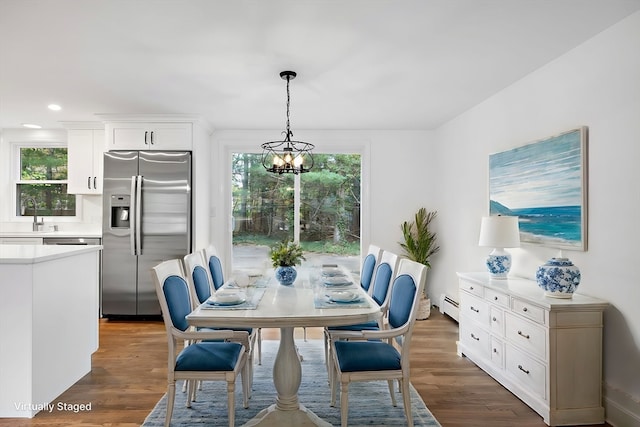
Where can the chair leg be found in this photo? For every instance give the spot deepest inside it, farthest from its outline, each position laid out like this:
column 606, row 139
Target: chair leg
column 171, row 395
column 231, row 401
column 393, row 395
column 344, row 403
column 406, row 398
column 191, row 392
column 333, row 383
column 246, row 380
column 259, row 346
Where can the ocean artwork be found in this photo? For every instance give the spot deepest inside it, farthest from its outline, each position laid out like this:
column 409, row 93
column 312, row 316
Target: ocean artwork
column 544, row 184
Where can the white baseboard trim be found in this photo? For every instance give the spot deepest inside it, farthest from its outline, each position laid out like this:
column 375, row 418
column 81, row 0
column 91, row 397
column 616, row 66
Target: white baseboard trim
column 621, row 409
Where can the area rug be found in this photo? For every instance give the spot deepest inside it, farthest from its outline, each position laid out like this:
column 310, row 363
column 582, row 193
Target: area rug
column 369, row 403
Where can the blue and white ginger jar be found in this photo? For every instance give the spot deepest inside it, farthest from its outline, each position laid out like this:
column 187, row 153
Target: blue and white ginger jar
column 286, row 275
column 558, row 277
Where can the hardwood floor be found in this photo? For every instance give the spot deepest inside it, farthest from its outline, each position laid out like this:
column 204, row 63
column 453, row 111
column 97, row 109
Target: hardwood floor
column 129, row 377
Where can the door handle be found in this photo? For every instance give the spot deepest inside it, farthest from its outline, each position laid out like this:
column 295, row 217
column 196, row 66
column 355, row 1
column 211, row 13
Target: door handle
column 89, row 182
column 95, row 187
column 132, row 229
column 151, row 137
column 138, row 212
column 145, row 137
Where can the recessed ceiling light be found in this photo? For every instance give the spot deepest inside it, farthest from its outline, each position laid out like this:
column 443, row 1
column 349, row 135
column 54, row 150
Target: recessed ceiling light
column 54, row 107
column 31, row 126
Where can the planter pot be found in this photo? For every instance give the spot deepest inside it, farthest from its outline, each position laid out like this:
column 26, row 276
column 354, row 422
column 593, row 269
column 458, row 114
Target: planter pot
column 424, row 308
column 558, row 277
column 286, row 275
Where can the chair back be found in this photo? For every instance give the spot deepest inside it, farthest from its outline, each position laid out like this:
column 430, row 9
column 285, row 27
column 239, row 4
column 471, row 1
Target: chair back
column 198, row 277
column 173, row 295
column 214, row 263
column 383, row 278
column 407, row 287
column 369, row 267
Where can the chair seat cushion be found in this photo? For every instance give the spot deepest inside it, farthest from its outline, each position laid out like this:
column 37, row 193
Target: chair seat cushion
column 357, row 356
column 367, row 326
column 209, row 356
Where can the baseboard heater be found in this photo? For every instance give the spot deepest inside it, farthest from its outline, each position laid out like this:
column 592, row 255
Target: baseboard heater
column 449, row 306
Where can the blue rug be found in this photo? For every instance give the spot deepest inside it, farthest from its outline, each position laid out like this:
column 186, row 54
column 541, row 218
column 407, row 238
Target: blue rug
column 369, row 403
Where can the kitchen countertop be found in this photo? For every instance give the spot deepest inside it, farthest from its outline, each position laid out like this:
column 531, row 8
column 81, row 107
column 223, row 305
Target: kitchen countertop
column 32, row 254
column 62, row 233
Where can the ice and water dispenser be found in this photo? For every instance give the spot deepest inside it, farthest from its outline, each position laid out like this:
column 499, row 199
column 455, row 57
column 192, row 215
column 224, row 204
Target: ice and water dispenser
column 120, row 205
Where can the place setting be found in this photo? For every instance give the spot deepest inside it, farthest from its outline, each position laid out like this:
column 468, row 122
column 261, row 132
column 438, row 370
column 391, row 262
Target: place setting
column 234, row 298
column 340, row 298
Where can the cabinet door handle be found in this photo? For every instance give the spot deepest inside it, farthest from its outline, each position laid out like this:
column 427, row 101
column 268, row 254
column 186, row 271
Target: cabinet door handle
column 151, row 137
column 89, row 182
column 525, row 309
column 523, row 335
column 145, row 137
column 475, row 338
column 475, row 309
column 495, row 350
column 95, row 187
column 494, row 319
column 523, row 370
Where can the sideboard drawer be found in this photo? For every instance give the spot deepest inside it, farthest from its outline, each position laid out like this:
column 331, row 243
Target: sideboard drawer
column 497, row 298
column 530, row 373
column 474, row 308
column 531, row 311
column 472, row 288
column 527, row 335
column 475, row 338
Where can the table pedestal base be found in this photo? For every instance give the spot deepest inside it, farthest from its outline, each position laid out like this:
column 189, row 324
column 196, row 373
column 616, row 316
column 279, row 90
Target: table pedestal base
column 272, row 416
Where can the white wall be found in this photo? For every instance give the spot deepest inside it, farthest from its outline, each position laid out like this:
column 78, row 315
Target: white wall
column 398, row 161
column 596, row 85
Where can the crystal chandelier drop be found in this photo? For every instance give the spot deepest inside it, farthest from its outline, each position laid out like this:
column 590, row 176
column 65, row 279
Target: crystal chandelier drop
column 287, row 156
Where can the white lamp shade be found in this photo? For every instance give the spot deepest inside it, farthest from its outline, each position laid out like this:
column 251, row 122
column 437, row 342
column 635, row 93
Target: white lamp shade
column 499, row 232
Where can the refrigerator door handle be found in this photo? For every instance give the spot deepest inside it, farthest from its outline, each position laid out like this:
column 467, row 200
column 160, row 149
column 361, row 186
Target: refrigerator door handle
column 138, row 212
column 134, row 205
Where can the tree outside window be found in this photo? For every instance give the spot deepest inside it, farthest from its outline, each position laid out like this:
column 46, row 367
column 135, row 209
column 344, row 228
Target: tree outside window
column 43, row 178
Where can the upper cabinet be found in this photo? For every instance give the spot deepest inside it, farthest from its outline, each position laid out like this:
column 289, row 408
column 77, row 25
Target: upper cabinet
column 85, row 148
column 149, row 136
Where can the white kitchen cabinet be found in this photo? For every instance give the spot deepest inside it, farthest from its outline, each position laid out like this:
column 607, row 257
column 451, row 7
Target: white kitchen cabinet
column 149, row 136
column 85, row 150
column 546, row 351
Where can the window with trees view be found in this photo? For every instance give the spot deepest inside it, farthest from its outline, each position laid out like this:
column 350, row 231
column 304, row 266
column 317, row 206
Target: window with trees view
column 42, row 182
column 264, row 205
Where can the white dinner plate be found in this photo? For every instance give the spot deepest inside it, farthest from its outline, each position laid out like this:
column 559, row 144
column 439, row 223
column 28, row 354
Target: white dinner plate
column 344, row 296
column 226, row 298
column 336, row 281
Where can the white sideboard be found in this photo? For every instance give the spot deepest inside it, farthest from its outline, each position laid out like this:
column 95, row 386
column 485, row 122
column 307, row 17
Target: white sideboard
column 546, row 351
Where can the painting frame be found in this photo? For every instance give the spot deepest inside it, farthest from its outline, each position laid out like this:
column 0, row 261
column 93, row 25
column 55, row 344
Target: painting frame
column 545, row 184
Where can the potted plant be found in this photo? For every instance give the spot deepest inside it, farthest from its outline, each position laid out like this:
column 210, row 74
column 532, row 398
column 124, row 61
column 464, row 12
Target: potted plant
column 284, row 257
column 419, row 245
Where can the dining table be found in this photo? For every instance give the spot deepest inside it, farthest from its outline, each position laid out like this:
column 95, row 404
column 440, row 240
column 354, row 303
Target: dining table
column 320, row 296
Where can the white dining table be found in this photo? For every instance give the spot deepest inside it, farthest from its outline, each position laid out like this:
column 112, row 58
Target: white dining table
column 287, row 307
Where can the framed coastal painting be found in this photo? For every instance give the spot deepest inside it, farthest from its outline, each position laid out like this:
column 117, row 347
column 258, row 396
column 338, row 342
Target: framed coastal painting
column 544, row 183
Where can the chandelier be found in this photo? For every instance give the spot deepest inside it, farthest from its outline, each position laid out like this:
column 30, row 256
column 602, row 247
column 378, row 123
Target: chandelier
column 287, row 156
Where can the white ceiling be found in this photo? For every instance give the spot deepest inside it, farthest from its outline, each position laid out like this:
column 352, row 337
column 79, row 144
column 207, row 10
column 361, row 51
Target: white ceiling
column 361, row 64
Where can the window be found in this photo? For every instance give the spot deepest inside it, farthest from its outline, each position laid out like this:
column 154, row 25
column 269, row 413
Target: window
column 41, row 181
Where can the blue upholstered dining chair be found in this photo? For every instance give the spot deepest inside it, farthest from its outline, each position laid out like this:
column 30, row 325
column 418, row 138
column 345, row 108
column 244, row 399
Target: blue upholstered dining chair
column 209, row 356
column 368, row 267
column 371, row 355
column 380, row 293
column 216, row 273
column 200, row 287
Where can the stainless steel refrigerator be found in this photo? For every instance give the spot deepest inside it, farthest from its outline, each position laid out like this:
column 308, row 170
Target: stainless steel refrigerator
column 146, row 220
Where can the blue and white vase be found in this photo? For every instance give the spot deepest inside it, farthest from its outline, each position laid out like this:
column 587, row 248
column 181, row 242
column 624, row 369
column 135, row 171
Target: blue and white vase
column 558, row 277
column 286, row 275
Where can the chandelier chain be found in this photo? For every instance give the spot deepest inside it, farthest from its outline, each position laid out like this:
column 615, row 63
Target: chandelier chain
column 289, row 133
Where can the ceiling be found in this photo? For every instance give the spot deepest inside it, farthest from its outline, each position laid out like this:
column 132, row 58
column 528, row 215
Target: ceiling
column 361, row 64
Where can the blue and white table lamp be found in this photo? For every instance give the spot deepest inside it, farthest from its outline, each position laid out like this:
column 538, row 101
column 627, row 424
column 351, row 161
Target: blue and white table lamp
column 499, row 232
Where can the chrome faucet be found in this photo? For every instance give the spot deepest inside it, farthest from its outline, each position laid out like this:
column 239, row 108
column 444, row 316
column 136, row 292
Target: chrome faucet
column 36, row 223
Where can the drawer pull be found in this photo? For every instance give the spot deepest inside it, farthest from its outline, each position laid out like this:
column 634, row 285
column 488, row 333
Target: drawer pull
column 475, row 338
column 495, row 350
column 495, row 298
column 523, row 335
column 475, row 309
column 494, row 319
column 470, row 288
column 525, row 309
column 523, row 370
